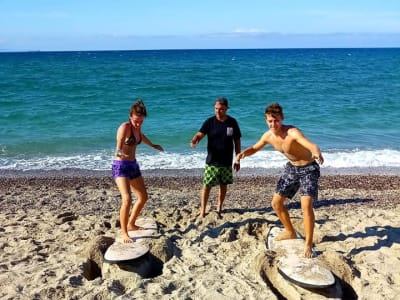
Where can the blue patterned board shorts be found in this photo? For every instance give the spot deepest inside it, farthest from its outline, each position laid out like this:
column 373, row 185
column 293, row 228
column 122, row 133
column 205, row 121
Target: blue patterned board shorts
column 214, row 175
column 126, row 168
column 294, row 178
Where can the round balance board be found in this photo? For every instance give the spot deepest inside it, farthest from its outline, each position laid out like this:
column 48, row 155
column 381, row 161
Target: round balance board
column 120, row 251
column 293, row 266
column 150, row 229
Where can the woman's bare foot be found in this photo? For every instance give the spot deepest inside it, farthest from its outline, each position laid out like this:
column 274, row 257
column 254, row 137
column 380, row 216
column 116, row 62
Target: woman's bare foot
column 126, row 239
column 286, row 235
column 135, row 227
column 308, row 253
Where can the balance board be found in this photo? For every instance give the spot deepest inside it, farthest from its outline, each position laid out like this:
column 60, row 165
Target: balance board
column 120, row 251
column 150, row 229
column 294, row 267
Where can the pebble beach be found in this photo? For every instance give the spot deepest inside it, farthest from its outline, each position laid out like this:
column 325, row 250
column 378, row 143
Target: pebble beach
column 49, row 221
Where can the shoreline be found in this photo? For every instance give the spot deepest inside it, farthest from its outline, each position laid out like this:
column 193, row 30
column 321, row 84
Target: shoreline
column 244, row 172
column 252, row 191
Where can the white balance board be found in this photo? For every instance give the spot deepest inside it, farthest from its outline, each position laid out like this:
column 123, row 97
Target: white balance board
column 293, row 266
column 120, row 251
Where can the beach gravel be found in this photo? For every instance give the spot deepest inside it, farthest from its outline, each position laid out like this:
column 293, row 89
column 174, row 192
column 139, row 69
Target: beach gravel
column 48, row 221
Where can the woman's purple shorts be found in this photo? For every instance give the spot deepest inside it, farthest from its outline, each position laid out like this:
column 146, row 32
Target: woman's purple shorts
column 126, row 168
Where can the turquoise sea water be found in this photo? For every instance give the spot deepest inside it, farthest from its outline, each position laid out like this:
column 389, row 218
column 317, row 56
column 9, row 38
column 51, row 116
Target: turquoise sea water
column 61, row 109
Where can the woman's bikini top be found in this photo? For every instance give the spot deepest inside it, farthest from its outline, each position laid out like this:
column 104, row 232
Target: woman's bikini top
column 132, row 139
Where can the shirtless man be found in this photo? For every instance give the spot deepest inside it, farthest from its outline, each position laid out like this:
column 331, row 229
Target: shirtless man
column 300, row 172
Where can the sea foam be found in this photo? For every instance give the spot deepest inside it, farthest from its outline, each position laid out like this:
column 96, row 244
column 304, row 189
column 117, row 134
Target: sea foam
column 263, row 159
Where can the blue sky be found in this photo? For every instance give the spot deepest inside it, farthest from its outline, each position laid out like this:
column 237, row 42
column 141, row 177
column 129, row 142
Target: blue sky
column 203, row 24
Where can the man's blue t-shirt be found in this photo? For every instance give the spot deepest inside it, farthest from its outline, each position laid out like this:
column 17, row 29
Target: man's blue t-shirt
column 221, row 137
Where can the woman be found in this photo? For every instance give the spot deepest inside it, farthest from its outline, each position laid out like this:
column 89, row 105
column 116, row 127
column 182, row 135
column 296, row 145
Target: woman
column 125, row 169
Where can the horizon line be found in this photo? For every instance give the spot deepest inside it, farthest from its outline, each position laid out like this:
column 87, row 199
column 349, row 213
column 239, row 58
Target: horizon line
column 193, row 49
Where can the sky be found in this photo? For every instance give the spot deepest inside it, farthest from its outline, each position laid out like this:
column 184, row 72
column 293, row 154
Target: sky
column 64, row 25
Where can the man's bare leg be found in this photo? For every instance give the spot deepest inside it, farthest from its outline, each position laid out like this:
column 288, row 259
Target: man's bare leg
column 309, row 220
column 221, row 198
column 283, row 215
column 205, row 193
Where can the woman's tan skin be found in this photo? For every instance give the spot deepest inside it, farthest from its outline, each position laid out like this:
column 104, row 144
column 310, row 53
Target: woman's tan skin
column 124, row 184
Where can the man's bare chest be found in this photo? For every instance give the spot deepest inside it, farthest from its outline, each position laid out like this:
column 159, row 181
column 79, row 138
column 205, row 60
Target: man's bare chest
column 283, row 144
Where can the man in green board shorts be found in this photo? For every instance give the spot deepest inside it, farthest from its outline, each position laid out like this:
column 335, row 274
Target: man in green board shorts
column 223, row 135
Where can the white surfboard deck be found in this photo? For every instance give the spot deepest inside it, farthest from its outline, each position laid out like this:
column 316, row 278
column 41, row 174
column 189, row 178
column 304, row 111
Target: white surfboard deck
column 120, row 251
column 150, row 229
column 293, row 266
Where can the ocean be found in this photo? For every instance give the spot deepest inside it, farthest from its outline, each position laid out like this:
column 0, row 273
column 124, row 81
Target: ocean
column 61, row 110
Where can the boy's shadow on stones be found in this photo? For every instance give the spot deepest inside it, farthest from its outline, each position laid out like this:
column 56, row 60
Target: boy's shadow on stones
column 387, row 236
